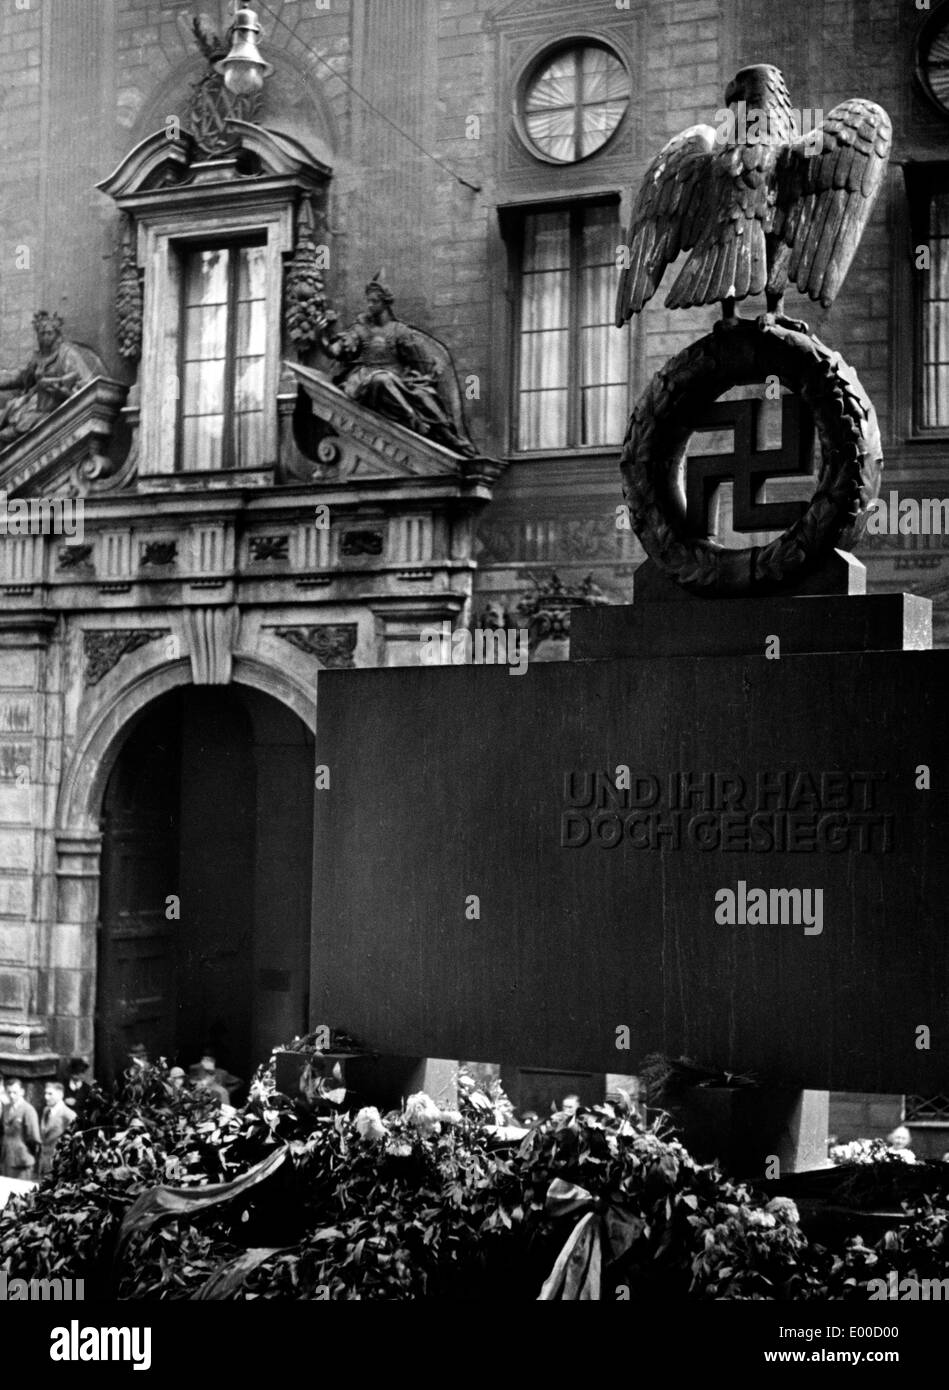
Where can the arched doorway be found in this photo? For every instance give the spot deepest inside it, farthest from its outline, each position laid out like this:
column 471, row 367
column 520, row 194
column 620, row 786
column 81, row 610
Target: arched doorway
column 206, row 881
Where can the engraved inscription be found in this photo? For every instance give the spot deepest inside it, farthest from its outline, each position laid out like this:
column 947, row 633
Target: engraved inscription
column 768, row 812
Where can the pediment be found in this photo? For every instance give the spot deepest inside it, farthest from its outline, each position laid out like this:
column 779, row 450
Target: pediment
column 65, row 455
column 166, row 165
column 361, row 444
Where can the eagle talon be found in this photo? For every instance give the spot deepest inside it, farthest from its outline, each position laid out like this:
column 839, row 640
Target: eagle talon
column 773, row 320
column 795, row 325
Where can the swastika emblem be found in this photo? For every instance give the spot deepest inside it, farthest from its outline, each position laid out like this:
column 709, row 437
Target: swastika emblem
column 749, row 466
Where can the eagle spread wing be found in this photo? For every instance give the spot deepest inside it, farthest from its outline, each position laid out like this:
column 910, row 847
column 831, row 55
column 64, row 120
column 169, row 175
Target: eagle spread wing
column 757, row 214
column 668, row 217
column 827, row 183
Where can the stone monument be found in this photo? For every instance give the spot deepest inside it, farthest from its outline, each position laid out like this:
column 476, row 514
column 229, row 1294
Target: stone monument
column 709, row 835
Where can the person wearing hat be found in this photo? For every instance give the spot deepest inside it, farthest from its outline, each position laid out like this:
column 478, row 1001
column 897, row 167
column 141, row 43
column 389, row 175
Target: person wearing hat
column 77, row 1088
column 174, row 1083
column 207, row 1074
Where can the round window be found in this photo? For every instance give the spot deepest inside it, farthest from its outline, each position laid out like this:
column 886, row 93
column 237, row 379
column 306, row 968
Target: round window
column 932, row 58
column 574, row 101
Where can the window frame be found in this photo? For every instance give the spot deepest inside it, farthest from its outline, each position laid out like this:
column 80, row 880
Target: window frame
column 229, row 449
column 923, row 182
column 934, row 27
column 162, row 235
column 532, row 70
column 517, row 226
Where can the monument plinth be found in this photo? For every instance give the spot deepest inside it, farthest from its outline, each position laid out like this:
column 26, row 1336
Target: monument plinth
column 715, row 832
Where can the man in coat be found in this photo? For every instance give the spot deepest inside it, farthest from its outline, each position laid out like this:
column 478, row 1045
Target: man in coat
column 57, row 1117
column 21, row 1134
column 77, row 1086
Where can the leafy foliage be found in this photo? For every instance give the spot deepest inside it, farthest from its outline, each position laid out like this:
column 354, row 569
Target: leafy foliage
column 304, row 298
column 128, row 299
column 422, row 1203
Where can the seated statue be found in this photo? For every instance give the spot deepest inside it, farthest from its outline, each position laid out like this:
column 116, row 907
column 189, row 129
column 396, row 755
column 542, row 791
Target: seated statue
column 54, row 373
column 396, row 370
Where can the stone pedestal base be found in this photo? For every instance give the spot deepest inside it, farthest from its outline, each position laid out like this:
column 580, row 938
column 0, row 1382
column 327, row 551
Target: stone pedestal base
column 747, row 1128
column 384, row 1082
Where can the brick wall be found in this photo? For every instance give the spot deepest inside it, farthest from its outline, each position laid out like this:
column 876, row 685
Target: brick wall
column 21, row 115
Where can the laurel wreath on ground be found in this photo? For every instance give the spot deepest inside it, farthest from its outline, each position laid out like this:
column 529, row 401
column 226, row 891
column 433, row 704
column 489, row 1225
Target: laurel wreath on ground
column 671, row 408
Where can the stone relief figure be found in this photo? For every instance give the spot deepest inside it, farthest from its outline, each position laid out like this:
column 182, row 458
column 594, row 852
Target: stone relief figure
column 399, row 371
column 55, row 372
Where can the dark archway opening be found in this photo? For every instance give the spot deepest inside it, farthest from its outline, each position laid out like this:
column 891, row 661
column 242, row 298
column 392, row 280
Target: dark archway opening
column 206, row 882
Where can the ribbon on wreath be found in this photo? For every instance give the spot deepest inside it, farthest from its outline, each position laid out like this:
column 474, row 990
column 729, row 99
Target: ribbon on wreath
column 578, row 1269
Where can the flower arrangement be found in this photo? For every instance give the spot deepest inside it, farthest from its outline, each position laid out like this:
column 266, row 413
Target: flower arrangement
column 159, row 1195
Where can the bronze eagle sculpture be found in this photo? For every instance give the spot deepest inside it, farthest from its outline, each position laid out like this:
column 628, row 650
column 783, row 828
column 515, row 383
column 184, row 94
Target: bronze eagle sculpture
column 756, row 203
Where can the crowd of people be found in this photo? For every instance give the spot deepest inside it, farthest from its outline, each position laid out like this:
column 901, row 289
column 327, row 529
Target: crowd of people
column 204, row 1075
column 29, row 1139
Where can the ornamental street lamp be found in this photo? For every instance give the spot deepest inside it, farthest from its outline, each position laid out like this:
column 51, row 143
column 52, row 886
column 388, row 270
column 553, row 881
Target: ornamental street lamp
column 244, row 69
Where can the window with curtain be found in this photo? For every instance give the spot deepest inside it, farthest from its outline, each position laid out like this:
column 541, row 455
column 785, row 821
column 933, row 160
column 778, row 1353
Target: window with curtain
column 934, row 354
column 572, row 360
column 223, row 343
column 575, row 102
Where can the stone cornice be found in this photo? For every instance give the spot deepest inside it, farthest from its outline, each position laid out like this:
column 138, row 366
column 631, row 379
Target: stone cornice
column 198, row 182
column 367, row 445
column 65, row 452
column 364, row 450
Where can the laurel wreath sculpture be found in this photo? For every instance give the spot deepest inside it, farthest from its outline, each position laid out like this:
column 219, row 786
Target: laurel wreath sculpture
column 670, row 409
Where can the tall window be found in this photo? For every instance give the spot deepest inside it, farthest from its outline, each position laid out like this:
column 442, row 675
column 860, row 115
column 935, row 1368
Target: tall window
column 934, row 361
column 223, row 342
column 572, row 364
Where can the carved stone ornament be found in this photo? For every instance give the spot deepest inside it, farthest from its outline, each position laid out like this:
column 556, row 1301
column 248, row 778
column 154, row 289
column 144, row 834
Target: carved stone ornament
column 671, row 408
column 333, row 644
column 212, row 105
column 546, row 611
column 74, row 557
column 304, row 299
column 399, row 371
column 355, row 543
column 102, row 650
column 56, row 372
column 128, row 298
column 156, row 553
column 212, row 635
column 269, row 548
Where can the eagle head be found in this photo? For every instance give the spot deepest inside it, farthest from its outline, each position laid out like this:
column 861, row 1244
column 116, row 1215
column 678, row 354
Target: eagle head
column 760, row 82
column 761, row 87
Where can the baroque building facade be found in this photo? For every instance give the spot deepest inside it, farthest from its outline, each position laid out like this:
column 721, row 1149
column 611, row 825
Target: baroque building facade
column 247, row 524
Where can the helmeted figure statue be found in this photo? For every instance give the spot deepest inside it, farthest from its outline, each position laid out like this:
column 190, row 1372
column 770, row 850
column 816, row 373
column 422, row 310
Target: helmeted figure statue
column 399, row 371
column 54, row 373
